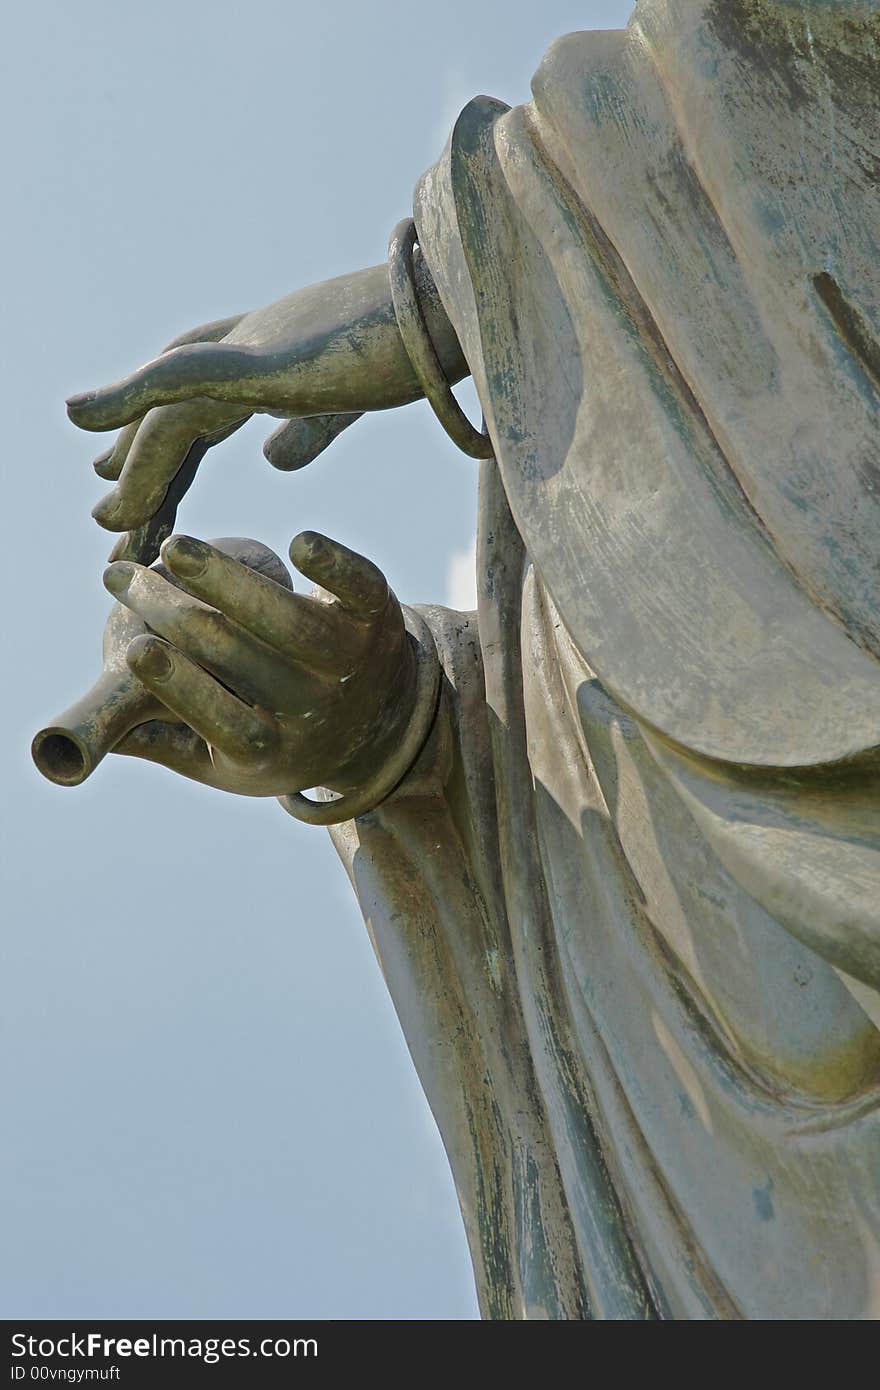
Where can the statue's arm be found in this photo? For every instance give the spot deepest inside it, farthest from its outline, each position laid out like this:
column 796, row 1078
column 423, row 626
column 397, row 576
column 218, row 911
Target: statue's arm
column 426, row 871
column 333, row 349
column 253, row 688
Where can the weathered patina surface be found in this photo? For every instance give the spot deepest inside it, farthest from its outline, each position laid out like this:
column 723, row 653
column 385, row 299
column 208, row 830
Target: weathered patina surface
column 627, row 896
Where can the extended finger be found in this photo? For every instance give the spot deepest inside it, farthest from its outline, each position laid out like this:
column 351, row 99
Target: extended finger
column 241, row 733
column 223, row 371
column 206, row 333
column 200, row 632
column 157, row 454
column 144, row 542
column 103, row 464
column 109, row 465
column 255, row 556
column 291, row 624
column 297, row 442
column 356, row 581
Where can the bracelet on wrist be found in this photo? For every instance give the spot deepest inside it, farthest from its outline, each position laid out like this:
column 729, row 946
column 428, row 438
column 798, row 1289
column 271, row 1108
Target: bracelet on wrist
column 350, row 805
column 420, row 347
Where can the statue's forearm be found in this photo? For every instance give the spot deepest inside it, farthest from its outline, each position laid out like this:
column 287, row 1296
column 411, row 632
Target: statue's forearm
column 332, row 350
column 350, row 355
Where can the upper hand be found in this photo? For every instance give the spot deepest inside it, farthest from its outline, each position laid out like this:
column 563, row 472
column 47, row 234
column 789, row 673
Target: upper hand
column 332, row 349
column 203, row 388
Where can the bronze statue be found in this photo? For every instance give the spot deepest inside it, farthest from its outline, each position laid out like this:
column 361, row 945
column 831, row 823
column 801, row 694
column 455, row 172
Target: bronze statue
column 615, row 835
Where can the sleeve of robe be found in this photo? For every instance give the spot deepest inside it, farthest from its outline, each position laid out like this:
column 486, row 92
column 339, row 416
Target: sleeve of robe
column 426, row 870
column 628, row 907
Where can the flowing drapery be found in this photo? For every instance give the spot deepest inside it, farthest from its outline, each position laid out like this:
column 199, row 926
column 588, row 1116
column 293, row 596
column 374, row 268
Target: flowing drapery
column 627, row 902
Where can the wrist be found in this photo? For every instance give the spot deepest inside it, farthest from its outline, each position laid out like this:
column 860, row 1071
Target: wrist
column 388, row 697
column 404, row 751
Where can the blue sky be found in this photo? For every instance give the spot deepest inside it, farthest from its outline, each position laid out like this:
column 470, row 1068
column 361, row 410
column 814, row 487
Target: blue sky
column 210, row 1108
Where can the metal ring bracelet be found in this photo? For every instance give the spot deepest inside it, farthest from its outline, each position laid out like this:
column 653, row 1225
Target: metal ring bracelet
column 420, row 348
column 391, row 774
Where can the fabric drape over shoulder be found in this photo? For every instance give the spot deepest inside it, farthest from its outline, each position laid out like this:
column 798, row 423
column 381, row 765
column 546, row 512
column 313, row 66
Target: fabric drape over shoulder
column 628, row 903
column 663, row 272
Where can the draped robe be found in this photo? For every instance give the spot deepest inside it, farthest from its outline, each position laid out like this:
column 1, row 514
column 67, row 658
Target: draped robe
column 627, row 903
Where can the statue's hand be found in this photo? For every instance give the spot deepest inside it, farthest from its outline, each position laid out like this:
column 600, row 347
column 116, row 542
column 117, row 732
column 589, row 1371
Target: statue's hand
column 333, row 349
column 148, row 453
column 277, row 692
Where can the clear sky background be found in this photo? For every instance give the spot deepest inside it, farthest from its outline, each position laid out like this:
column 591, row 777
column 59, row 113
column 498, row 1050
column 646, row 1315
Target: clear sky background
column 210, row 1110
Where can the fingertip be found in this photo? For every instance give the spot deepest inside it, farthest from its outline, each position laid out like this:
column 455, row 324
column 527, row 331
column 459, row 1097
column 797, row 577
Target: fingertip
column 356, row 581
column 106, row 512
column 76, row 402
column 306, row 547
column 105, row 466
column 298, row 442
column 275, row 451
column 150, row 659
column 185, row 556
column 121, row 548
column 118, row 576
column 80, row 408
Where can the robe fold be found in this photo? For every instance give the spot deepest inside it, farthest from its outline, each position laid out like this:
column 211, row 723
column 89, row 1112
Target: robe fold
column 627, row 902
